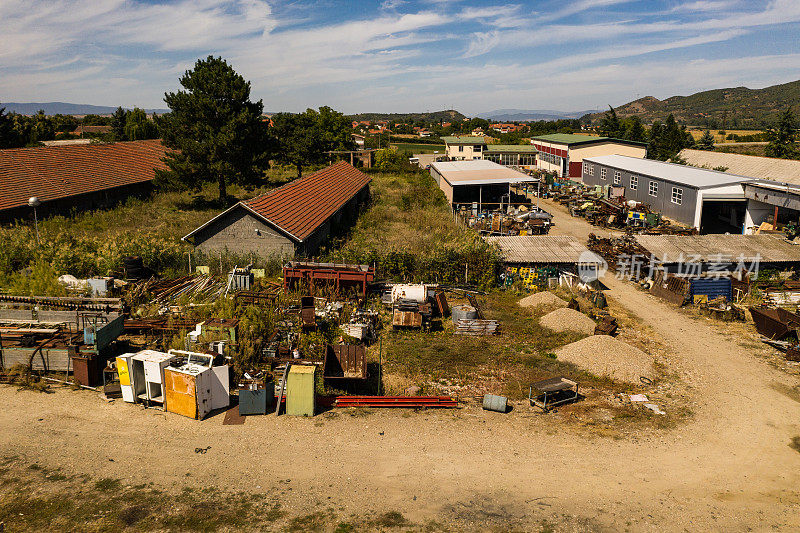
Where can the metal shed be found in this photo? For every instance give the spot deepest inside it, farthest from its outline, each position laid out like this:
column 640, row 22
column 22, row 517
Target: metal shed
column 545, row 249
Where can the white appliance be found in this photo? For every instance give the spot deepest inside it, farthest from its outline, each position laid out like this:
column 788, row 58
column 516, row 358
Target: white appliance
column 151, row 364
column 131, row 377
column 196, row 388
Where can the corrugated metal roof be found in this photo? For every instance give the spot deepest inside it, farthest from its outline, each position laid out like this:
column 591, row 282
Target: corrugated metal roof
column 518, row 148
column 786, row 170
column 303, row 205
column 572, row 139
column 478, row 172
column 544, row 249
column 708, row 248
column 695, row 177
column 467, row 139
column 56, row 172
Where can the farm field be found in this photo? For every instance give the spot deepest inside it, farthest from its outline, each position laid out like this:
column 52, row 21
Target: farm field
column 419, row 148
column 718, row 138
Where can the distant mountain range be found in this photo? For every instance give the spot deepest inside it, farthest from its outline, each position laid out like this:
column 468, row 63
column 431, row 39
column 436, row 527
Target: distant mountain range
column 529, row 115
column 64, row 108
column 737, row 107
column 448, row 115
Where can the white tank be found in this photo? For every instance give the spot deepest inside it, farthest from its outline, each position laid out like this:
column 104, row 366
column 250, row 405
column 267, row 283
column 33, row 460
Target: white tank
column 418, row 293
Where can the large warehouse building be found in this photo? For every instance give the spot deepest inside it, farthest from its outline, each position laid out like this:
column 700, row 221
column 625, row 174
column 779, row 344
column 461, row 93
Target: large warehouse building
column 563, row 153
column 712, row 201
column 85, row 176
column 292, row 220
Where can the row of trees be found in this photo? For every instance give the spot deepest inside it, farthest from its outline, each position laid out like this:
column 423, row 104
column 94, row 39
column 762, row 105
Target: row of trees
column 132, row 125
column 664, row 139
column 215, row 133
column 17, row 130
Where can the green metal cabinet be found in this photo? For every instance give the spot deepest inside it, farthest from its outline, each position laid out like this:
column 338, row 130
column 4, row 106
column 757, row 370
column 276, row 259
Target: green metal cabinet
column 300, row 390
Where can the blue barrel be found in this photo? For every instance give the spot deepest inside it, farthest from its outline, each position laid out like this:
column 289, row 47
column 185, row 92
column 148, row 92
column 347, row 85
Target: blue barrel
column 492, row 402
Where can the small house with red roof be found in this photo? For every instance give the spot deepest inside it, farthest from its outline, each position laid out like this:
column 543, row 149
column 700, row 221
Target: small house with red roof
column 292, row 220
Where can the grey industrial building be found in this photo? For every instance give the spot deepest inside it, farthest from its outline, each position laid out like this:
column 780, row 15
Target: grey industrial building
column 712, row 201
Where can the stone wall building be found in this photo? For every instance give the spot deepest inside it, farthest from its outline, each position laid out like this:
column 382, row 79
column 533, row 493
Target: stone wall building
column 292, row 220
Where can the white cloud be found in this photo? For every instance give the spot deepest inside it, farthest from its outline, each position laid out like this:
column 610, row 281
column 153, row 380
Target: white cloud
column 393, row 58
column 704, row 5
column 580, row 6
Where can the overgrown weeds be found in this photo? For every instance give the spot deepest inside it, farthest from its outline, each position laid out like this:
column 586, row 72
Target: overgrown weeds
column 408, row 234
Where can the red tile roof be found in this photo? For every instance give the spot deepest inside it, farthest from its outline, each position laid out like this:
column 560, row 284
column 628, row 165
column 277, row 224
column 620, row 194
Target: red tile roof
column 303, row 205
column 55, row 172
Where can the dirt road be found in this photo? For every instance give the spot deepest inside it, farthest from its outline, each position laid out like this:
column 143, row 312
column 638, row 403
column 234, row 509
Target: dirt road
column 728, row 468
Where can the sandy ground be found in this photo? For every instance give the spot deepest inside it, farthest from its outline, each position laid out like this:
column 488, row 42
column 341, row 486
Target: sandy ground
column 730, row 467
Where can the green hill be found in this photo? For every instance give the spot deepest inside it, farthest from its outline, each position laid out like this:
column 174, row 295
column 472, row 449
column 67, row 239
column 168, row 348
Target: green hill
column 734, row 108
column 449, row 115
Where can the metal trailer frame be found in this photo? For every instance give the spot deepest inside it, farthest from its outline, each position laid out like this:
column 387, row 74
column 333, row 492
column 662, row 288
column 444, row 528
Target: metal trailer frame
column 338, row 275
column 553, row 392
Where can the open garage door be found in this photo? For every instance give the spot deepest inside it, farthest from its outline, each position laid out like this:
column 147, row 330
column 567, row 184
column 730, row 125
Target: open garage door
column 722, row 216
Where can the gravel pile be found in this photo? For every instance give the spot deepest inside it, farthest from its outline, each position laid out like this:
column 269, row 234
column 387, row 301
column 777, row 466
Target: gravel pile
column 568, row 320
column 606, row 356
column 543, row 299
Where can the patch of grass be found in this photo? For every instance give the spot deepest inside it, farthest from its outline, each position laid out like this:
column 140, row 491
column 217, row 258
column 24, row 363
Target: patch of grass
column 391, row 519
column 93, row 242
column 521, row 354
column 108, row 485
column 311, row 522
column 33, row 501
column 795, row 444
column 408, row 232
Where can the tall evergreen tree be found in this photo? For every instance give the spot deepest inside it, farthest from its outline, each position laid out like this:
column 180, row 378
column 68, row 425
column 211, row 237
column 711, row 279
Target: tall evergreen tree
column 8, row 134
column 215, row 133
column 610, row 125
column 783, row 137
column 118, row 121
column 706, row 142
column 668, row 139
column 634, row 130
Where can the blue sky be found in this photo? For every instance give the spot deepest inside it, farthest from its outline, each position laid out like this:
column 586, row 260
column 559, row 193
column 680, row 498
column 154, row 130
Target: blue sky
column 396, row 55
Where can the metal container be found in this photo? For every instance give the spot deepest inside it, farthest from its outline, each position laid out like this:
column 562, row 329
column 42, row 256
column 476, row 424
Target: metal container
column 300, row 394
column 85, row 370
column 463, row 312
column 196, row 388
column 492, row 402
column 151, row 364
column 418, row 293
column 256, row 401
column 711, row 287
column 131, row 382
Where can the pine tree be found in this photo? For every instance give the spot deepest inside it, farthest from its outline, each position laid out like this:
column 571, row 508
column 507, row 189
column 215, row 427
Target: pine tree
column 610, row 125
column 706, row 142
column 783, row 137
column 215, row 132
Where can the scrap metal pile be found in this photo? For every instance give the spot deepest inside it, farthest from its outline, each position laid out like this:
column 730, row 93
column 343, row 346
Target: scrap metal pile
column 521, row 220
column 617, row 250
column 615, row 212
column 166, row 292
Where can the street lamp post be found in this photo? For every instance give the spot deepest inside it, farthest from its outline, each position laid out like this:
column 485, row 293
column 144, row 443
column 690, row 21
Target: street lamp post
column 34, row 202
